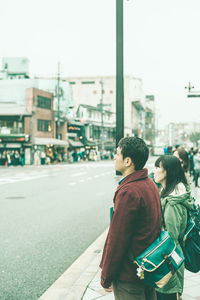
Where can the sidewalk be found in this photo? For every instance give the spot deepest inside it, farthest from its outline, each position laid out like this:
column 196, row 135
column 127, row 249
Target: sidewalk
column 82, row 280
column 191, row 288
column 191, row 284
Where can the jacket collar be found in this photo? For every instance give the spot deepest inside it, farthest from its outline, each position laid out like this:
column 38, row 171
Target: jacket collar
column 137, row 175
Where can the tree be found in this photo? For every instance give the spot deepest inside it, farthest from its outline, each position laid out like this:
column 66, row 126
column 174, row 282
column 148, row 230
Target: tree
column 195, row 137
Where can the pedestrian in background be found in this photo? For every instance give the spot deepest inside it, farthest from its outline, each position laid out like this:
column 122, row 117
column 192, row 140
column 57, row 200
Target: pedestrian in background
column 183, row 156
column 191, row 158
column 197, row 167
column 135, row 223
column 175, row 200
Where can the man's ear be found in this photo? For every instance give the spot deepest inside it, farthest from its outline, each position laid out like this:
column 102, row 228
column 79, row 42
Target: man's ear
column 128, row 161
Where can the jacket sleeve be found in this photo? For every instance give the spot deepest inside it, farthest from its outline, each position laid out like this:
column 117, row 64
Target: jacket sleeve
column 119, row 235
column 173, row 220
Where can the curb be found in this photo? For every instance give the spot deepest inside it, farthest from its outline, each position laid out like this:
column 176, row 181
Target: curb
column 72, row 284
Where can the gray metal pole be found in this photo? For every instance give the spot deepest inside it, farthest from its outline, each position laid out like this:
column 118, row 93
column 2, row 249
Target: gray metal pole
column 58, row 99
column 102, row 121
column 119, row 72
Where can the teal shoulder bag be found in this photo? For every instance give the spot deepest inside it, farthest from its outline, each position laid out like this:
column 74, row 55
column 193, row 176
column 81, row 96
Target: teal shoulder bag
column 158, row 263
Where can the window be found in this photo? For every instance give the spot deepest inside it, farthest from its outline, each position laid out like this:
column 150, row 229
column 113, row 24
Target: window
column 44, row 125
column 7, row 123
column 91, row 132
column 43, row 102
column 72, row 82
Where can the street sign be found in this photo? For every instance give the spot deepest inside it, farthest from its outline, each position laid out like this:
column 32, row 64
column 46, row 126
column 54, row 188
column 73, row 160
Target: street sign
column 150, row 97
column 193, row 95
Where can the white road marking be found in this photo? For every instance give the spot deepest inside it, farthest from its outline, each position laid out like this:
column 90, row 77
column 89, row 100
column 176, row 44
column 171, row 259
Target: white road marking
column 79, row 174
column 72, row 183
column 52, row 171
column 13, row 180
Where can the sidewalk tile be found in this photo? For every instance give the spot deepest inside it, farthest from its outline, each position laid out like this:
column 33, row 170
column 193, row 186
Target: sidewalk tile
column 95, row 284
column 186, row 297
column 193, row 291
column 108, row 296
column 189, row 283
column 90, row 295
column 196, row 279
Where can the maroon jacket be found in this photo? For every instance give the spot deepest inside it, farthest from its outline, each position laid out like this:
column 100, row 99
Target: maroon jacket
column 135, row 224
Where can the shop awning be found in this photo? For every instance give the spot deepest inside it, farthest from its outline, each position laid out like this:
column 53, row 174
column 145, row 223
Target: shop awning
column 90, row 143
column 13, row 110
column 75, row 144
column 109, row 145
column 50, row 141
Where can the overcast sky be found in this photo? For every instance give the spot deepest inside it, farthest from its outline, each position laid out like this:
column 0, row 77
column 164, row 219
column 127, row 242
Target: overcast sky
column 161, row 44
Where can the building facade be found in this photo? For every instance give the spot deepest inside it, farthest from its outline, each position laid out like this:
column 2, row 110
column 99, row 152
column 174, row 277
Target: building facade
column 101, row 90
column 100, row 128
column 33, row 112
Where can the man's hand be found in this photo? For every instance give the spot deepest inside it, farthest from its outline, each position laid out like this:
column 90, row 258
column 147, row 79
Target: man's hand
column 109, row 290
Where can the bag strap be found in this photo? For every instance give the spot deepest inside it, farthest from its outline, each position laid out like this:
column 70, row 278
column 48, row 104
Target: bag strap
column 130, row 255
column 163, row 219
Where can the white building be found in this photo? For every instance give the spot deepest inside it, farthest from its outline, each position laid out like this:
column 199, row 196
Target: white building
column 98, row 122
column 91, row 90
column 22, row 97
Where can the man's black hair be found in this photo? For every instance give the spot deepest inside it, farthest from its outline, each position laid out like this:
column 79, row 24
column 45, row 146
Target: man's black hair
column 136, row 149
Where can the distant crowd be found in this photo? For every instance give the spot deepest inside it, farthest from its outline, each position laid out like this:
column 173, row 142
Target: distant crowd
column 190, row 161
column 90, row 155
column 12, row 158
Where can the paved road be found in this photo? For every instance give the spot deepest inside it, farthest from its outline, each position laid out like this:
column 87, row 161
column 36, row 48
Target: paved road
column 49, row 215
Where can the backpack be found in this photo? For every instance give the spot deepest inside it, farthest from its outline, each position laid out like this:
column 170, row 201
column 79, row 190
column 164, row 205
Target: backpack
column 191, row 240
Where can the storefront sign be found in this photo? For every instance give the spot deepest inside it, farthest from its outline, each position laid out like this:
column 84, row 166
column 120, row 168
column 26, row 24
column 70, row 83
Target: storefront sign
column 5, row 130
column 16, row 145
column 73, row 128
column 11, row 139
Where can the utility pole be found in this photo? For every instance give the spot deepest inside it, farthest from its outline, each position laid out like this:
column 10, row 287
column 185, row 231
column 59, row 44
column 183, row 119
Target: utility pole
column 58, row 99
column 119, row 72
column 102, row 121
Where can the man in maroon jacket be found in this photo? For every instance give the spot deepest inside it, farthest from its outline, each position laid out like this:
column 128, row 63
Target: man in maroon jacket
column 135, row 224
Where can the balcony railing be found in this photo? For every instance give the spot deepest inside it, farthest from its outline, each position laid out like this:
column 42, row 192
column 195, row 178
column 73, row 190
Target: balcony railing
column 6, row 130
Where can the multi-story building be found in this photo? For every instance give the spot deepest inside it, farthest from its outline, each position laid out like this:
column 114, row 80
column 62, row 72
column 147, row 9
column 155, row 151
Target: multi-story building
column 42, row 127
column 102, row 90
column 100, row 128
column 32, row 129
column 34, row 109
column 150, row 128
column 180, row 133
